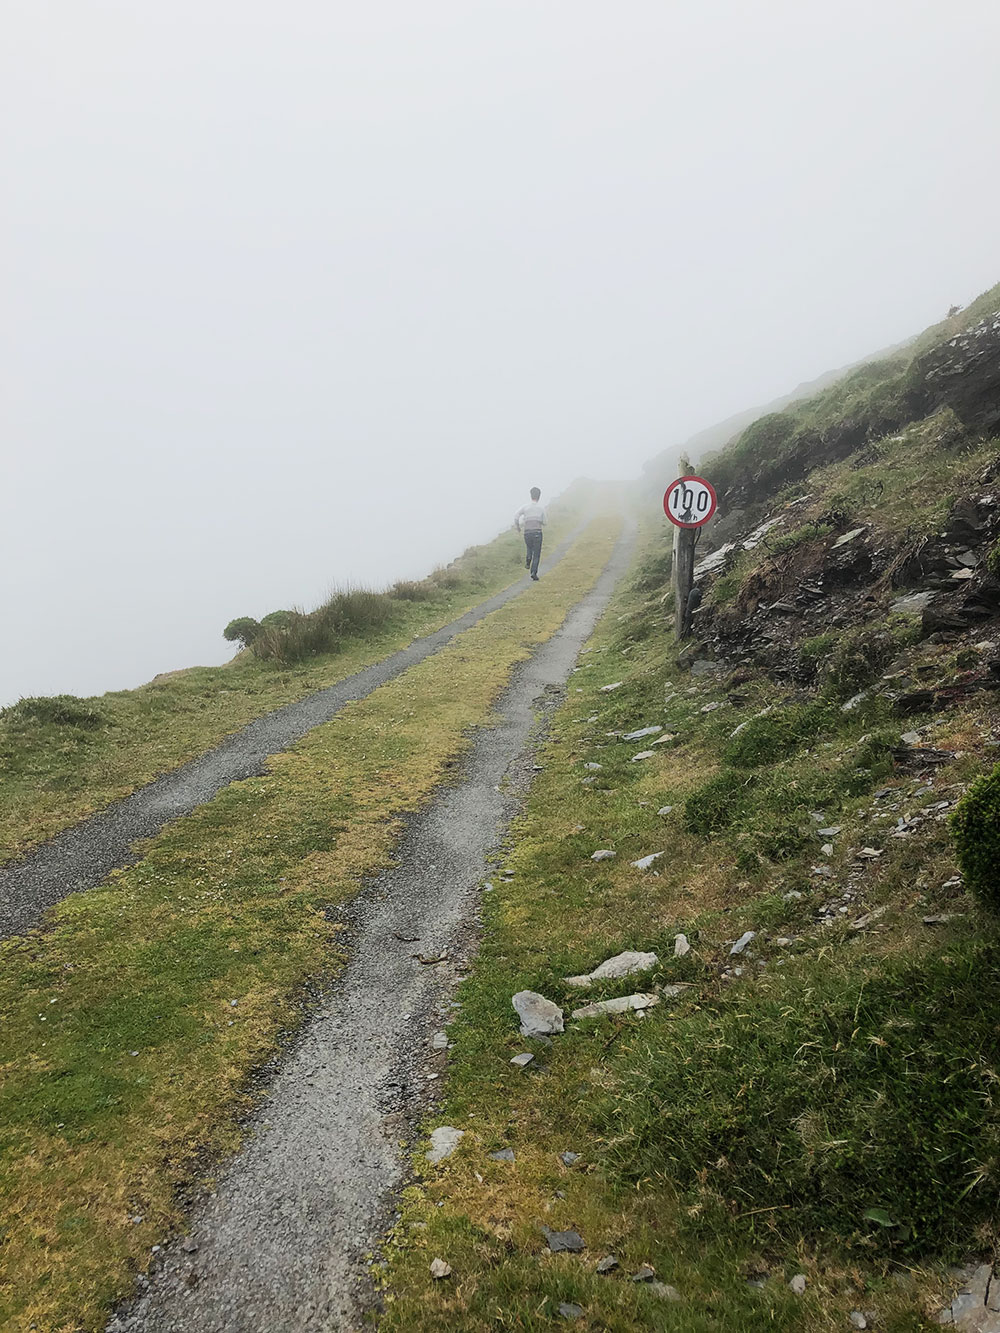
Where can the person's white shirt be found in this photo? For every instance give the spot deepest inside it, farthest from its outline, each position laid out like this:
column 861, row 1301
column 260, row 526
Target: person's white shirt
column 530, row 517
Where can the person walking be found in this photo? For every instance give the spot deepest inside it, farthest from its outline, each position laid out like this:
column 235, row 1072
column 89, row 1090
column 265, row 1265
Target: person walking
column 530, row 519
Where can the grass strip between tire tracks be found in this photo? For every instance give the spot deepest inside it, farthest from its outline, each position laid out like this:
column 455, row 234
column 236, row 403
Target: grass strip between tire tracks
column 130, row 1023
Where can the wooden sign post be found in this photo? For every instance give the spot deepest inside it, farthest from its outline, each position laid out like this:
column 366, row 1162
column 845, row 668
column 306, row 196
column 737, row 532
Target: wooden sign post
column 689, row 503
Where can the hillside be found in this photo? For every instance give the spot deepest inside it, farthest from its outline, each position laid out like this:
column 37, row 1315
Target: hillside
column 793, row 1124
column 269, row 1071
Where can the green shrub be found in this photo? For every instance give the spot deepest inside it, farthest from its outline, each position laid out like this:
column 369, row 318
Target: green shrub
column 61, row 710
column 858, row 660
column 975, row 829
column 243, row 630
column 776, row 734
column 811, row 650
column 718, row 803
column 277, row 619
column 832, row 1104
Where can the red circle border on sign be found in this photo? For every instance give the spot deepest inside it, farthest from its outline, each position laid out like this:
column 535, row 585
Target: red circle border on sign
column 680, row 482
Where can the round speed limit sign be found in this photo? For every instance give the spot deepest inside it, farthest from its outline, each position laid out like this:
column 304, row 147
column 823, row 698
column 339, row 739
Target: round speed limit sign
column 690, row 502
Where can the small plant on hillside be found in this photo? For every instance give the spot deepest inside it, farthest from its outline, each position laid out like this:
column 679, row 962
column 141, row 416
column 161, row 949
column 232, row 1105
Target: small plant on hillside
column 775, row 735
column 809, row 532
column 859, row 659
column 975, row 829
column 717, row 803
column 61, row 710
column 993, row 559
column 243, row 630
column 655, row 572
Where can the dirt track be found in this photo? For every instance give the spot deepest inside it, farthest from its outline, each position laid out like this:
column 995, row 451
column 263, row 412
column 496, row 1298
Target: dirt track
column 282, row 1242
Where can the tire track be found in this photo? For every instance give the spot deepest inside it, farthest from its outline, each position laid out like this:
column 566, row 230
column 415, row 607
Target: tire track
column 80, row 857
column 281, row 1243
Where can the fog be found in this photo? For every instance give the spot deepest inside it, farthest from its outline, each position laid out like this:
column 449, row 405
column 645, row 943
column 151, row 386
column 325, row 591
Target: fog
column 303, row 293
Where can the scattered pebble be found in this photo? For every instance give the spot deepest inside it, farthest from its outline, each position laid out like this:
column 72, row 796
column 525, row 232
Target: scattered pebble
column 647, row 862
column 664, row 810
column 603, row 854
column 440, row 1269
column 742, row 942
column 681, row 946
column 606, row 689
column 607, row 1264
column 665, row 1291
column 644, row 1273
column 857, row 1319
column 439, row 1042
column 798, row 1284
column 643, row 754
column 503, row 1155
column 569, row 1158
column 524, row 1059
column 621, row 965
column 567, row 1310
column 621, row 1005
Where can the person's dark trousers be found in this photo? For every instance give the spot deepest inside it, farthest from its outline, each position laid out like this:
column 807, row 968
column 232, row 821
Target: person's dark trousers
column 533, row 547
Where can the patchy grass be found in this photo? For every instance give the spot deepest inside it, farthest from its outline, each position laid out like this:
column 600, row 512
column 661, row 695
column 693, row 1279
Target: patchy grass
column 823, row 1103
column 62, row 758
column 130, row 1023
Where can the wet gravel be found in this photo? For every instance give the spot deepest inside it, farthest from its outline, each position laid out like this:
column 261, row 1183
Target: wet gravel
column 81, row 856
column 282, row 1242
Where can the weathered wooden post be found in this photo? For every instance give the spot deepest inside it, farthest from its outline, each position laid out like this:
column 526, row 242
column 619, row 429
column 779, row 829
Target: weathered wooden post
column 690, row 501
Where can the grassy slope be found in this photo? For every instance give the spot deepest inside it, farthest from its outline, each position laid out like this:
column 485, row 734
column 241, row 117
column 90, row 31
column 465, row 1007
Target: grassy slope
column 52, row 775
column 823, row 1104
column 124, row 1060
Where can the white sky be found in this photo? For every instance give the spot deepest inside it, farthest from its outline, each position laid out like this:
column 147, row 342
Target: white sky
column 310, row 291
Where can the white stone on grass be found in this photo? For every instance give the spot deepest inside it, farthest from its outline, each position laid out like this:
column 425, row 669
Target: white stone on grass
column 643, row 754
column 522, row 1060
column 440, row 1269
column 621, row 1005
column 622, row 965
column 444, row 1140
column 643, row 731
column 603, row 854
column 798, row 1284
column 647, row 862
column 742, row 942
column 681, row 946
column 539, row 1016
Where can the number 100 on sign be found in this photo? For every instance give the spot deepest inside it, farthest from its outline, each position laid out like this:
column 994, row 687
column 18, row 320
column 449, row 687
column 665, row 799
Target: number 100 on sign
column 689, row 502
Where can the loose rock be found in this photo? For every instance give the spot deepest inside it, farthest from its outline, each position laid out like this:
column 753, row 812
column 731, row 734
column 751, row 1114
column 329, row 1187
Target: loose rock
column 439, row 1042
column 440, row 1269
column 524, row 1059
column 857, row 1319
column 665, row 1291
column 620, row 1005
column 444, row 1140
column 643, row 754
column 539, row 1016
column 681, row 946
column 647, row 862
column 564, row 1242
column 607, row 1264
column 643, row 731
column 798, row 1284
column 567, row 1310
column 622, row 965
column 742, row 942
column 603, row 854
column 569, row 1158
column 503, row 1155
column 644, row 1273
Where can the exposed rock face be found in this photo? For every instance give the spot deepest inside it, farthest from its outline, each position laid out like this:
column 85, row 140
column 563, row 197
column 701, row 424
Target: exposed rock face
column 964, row 374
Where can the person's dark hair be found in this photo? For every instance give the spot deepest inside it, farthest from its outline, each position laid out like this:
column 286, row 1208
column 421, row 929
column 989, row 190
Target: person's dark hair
column 535, row 493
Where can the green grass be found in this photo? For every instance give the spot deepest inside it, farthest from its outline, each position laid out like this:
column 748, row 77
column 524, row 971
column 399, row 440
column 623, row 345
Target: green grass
column 752, row 1122
column 62, row 758
column 124, row 1059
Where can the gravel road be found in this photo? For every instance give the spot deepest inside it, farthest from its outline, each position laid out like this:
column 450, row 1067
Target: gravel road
column 281, row 1244
column 81, row 856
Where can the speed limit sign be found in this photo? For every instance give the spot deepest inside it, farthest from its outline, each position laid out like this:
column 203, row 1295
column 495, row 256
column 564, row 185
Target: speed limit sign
column 690, row 502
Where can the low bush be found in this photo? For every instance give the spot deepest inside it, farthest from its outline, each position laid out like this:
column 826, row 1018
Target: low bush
column 776, row 734
column 277, row 619
column 975, row 829
column 858, row 660
column 717, row 803
column 61, row 710
column 243, row 630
